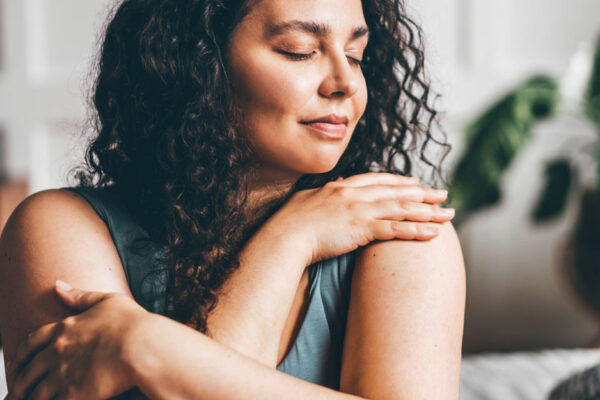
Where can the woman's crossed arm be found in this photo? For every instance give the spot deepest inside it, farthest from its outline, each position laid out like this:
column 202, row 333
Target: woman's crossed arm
column 25, row 319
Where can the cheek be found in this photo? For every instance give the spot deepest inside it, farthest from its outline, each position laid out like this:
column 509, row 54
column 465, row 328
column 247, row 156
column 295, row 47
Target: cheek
column 270, row 92
column 360, row 99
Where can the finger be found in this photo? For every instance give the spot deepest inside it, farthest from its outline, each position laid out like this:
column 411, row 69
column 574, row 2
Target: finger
column 45, row 389
column 32, row 373
column 78, row 299
column 388, row 230
column 411, row 211
column 405, row 193
column 33, row 343
column 379, row 178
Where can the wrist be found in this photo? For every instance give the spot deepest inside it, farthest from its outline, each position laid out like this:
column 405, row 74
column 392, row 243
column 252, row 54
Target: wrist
column 292, row 244
column 139, row 350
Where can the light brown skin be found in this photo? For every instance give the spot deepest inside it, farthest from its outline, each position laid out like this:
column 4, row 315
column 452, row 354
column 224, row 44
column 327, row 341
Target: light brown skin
column 405, row 319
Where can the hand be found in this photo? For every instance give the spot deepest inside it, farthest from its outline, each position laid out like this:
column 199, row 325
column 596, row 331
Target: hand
column 348, row 213
column 81, row 357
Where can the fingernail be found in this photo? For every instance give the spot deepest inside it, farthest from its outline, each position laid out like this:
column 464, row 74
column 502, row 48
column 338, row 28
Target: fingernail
column 430, row 230
column 448, row 212
column 442, row 192
column 64, row 286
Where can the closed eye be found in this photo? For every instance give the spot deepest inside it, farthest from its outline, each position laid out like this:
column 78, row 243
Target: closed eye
column 307, row 56
column 297, row 56
column 355, row 61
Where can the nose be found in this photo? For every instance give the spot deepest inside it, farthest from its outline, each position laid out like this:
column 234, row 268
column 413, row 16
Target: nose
column 341, row 80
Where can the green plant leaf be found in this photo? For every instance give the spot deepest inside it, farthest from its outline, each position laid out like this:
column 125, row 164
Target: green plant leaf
column 552, row 202
column 494, row 139
column 592, row 95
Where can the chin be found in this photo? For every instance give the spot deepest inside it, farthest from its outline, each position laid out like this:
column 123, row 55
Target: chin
column 321, row 167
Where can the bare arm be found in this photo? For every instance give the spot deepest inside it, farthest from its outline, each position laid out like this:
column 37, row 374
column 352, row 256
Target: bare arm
column 172, row 361
column 57, row 235
column 51, row 235
column 162, row 357
column 213, row 371
column 256, row 299
column 405, row 322
column 54, row 234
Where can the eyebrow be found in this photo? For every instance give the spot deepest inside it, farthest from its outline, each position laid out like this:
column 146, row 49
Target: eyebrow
column 315, row 28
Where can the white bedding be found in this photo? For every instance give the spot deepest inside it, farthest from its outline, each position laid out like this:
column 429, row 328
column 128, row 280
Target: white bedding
column 3, row 391
column 512, row 376
column 522, row 375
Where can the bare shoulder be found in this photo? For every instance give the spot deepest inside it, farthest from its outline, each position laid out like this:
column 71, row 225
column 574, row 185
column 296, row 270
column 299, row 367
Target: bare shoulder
column 53, row 234
column 423, row 268
column 406, row 314
column 439, row 255
column 50, row 208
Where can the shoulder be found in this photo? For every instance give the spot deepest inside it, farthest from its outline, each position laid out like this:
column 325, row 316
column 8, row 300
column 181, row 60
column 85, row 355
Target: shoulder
column 50, row 207
column 54, row 221
column 406, row 314
column 56, row 225
column 424, row 274
column 440, row 255
column 53, row 234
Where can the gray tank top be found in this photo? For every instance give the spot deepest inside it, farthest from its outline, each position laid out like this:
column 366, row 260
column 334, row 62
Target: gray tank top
column 315, row 355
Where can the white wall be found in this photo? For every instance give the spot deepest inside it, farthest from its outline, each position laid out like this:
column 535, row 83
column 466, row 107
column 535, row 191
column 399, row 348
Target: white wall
column 47, row 50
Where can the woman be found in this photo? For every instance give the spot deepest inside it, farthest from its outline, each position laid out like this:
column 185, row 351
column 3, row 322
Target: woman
column 229, row 190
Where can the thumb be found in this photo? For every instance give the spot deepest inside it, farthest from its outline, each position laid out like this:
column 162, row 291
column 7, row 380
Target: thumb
column 77, row 299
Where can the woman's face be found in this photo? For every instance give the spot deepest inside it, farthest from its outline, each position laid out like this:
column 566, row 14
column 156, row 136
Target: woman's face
column 294, row 65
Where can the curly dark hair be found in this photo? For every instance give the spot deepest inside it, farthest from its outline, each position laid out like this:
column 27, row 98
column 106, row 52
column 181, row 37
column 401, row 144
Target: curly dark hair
column 167, row 131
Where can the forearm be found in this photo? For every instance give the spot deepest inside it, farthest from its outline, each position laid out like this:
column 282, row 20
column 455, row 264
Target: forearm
column 255, row 301
column 184, row 364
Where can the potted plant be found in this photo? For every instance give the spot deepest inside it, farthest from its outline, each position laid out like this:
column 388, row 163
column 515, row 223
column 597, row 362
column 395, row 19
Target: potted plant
column 496, row 137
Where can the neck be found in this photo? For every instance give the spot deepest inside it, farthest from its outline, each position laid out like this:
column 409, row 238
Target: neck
column 263, row 194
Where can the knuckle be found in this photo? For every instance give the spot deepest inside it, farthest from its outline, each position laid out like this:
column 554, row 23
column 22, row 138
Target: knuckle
column 412, row 229
column 330, row 184
column 341, row 191
column 395, row 226
column 354, row 207
column 60, row 344
column 69, row 321
column 355, row 223
column 403, row 207
column 62, row 369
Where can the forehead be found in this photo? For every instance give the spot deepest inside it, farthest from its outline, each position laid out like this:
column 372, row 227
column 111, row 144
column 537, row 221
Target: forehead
column 339, row 15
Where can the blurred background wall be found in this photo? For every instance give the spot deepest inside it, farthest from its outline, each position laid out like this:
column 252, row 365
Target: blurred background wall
column 476, row 49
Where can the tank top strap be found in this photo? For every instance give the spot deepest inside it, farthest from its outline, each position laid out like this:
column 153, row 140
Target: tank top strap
column 144, row 261
column 336, row 280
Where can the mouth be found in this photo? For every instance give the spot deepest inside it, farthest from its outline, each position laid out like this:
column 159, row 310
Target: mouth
column 330, row 126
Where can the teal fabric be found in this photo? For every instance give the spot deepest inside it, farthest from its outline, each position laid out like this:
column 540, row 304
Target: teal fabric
column 316, row 354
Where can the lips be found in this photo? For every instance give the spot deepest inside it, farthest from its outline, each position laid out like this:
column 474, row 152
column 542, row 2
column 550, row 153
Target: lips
column 330, row 126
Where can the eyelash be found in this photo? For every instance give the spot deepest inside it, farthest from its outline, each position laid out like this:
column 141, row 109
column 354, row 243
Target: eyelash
column 303, row 57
